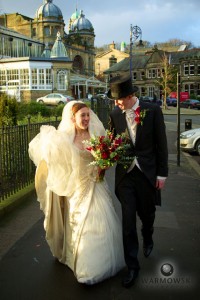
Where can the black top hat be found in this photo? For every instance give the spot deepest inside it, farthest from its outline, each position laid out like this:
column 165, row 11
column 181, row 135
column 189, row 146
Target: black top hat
column 121, row 87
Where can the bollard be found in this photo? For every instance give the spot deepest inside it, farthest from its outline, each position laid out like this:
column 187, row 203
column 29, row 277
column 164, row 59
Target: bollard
column 188, row 124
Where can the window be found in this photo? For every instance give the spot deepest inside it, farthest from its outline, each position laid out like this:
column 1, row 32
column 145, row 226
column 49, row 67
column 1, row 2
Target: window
column 34, row 32
column 198, row 89
column 186, row 88
column 34, row 79
column 142, row 75
column 191, row 69
column 198, row 69
column 24, row 79
column 191, row 89
column 41, row 78
column 112, row 61
column 159, row 73
column 150, row 91
column 12, row 78
column 62, row 80
column 134, row 75
column 186, row 70
column 56, row 30
column 48, row 77
column 153, row 73
column 2, row 79
column 13, row 75
column 149, row 74
column 143, row 91
column 46, row 31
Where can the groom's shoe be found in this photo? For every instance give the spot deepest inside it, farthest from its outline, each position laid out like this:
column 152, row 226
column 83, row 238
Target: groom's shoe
column 130, row 278
column 147, row 249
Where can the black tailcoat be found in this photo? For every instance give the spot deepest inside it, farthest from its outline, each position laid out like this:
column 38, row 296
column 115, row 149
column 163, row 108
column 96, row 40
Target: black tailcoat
column 150, row 144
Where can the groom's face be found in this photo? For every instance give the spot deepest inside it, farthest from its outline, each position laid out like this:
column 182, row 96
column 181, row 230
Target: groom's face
column 126, row 102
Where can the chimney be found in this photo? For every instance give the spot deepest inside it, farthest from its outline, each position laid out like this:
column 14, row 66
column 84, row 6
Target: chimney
column 112, row 46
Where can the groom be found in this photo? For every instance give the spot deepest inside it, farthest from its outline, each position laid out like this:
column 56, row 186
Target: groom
column 138, row 186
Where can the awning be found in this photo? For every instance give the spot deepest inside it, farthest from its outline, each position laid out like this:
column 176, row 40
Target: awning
column 77, row 79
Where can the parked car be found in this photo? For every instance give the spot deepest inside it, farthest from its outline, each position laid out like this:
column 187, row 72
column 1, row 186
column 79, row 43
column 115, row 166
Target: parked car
column 190, row 140
column 146, row 98
column 102, row 97
column 190, row 103
column 150, row 100
column 171, row 101
column 55, row 99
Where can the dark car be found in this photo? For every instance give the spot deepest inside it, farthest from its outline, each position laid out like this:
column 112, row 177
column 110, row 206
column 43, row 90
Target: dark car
column 102, row 98
column 150, row 100
column 171, row 101
column 146, row 98
column 190, row 103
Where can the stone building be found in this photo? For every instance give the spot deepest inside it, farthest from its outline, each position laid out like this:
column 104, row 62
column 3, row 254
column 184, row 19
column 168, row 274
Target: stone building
column 107, row 59
column 28, row 77
column 147, row 67
column 43, row 27
column 38, row 35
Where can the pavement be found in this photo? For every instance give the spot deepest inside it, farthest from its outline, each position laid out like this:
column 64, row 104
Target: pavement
column 28, row 271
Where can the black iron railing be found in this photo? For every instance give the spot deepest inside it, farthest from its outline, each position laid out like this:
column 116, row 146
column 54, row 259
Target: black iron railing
column 16, row 169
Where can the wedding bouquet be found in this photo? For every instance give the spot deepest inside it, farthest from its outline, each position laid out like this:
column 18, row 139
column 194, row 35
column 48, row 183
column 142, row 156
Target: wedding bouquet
column 109, row 149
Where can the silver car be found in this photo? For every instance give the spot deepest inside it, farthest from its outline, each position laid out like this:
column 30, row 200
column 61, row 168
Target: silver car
column 190, row 140
column 55, row 99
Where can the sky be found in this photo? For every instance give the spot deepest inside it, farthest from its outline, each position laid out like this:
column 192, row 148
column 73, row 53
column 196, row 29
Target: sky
column 159, row 20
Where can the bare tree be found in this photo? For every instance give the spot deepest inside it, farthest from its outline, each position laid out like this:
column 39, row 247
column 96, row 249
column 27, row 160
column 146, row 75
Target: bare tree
column 167, row 80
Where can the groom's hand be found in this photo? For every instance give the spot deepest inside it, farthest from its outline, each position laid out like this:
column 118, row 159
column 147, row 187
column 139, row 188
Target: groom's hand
column 160, row 183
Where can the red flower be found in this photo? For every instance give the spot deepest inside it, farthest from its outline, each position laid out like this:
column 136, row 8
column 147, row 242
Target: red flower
column 137, row 115
column 137, row 119
column 137, row 111
column 140, row 115
column 89, row 148
column 109, row 149
column 105, row 155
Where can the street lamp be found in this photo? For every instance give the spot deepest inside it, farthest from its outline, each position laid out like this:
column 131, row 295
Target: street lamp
column 135, row 33
column 178, row 118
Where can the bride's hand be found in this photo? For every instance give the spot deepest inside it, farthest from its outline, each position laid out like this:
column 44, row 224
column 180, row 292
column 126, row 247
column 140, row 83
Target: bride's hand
column 101, row 173
column 102, row 170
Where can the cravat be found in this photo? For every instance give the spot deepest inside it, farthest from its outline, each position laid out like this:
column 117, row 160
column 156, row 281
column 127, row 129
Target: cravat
column 130, row 115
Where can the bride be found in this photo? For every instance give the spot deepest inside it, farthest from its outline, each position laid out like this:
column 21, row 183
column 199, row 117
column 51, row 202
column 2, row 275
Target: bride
column 82, row 228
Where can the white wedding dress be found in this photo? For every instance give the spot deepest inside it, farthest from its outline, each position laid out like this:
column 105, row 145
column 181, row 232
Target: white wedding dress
column 82, row 227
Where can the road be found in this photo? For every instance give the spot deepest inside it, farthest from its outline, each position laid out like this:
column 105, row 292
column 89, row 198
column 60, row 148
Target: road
column 29, row 272
column 171, row 124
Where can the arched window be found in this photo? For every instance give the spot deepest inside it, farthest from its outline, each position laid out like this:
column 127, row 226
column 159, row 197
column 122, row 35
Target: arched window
column 62, row 82
column 46, row 31
column 78, row 64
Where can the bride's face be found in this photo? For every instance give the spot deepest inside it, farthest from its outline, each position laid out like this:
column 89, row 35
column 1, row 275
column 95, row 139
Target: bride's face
column 82, row 118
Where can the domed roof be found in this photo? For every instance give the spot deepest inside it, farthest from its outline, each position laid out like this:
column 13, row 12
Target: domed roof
column 81, row 23
column 49, row 10
column 75, row 15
